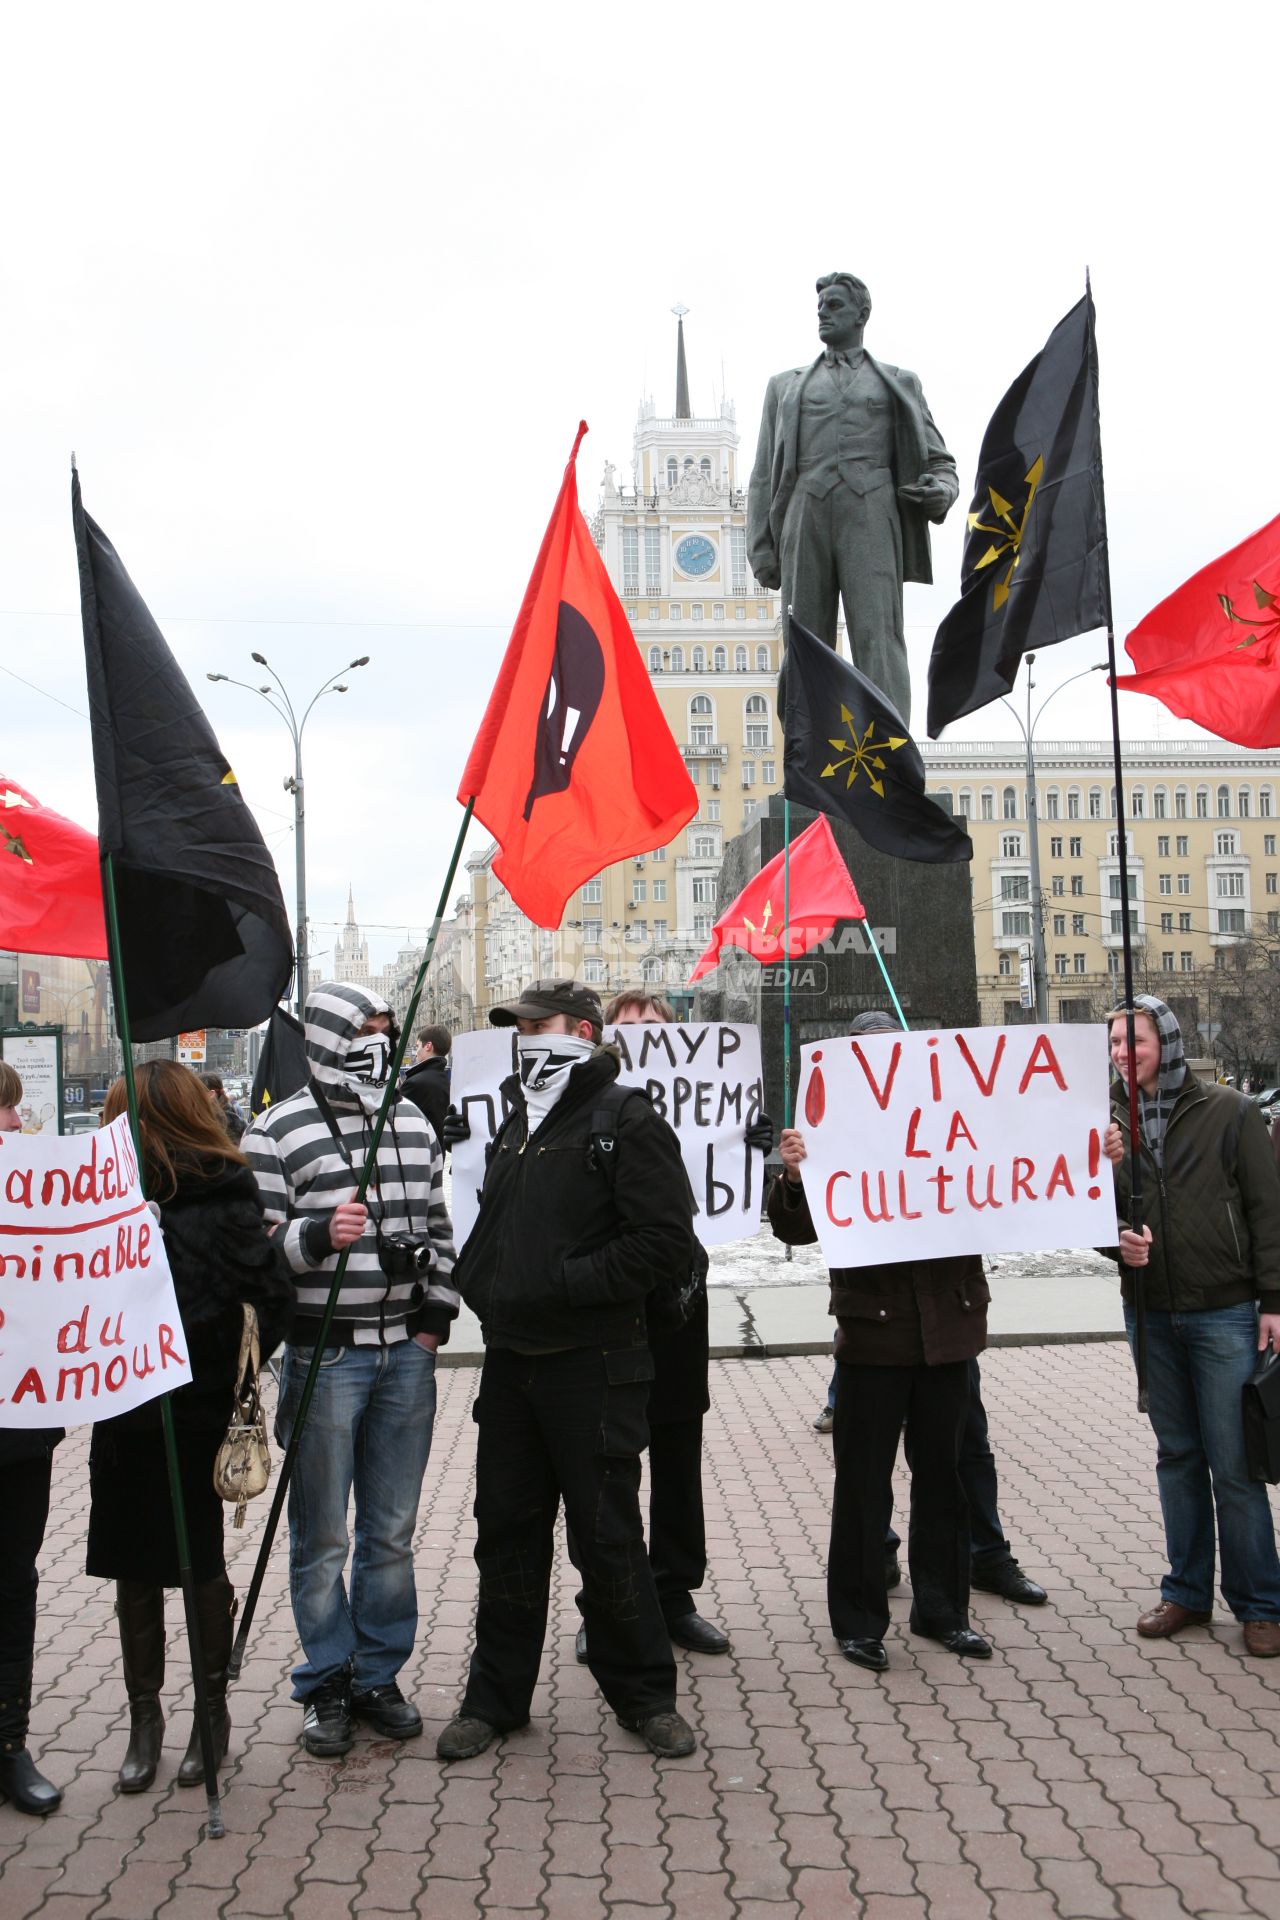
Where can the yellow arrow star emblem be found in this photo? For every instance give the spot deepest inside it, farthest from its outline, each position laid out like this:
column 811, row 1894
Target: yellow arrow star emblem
column 865, row 754
column 764, row 920
column 1007, row 535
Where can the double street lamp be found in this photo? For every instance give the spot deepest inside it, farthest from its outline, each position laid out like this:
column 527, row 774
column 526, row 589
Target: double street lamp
column 277, row 698
column 1039, row 963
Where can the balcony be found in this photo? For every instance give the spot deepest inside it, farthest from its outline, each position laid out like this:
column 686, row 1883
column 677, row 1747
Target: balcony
column 715, row 750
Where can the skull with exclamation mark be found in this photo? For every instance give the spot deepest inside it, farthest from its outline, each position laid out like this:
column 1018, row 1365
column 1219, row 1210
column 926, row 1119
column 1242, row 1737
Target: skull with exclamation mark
column 573, row 698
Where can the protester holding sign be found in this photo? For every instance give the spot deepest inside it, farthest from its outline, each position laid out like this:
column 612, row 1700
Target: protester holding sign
column 906, row 1332
column 26, row 1468
column 1209, row 1267
column 221, row 1260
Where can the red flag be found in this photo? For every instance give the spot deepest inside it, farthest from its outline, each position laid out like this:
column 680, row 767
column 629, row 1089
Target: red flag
column 50, row 884
column 1209, row 651
column 821, row 892
column 574, row 765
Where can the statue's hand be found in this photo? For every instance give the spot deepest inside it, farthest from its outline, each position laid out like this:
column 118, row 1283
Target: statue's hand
column 768, row 574
column 930, row 494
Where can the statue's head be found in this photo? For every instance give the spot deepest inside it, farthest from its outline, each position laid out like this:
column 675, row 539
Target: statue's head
column 844, row 305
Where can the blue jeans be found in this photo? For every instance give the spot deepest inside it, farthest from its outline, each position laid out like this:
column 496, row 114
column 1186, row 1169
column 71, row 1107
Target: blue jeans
column 368, row 1426
column 1196, row 1366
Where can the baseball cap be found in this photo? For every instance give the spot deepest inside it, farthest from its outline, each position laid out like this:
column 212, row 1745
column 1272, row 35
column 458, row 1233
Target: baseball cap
column 543, row 997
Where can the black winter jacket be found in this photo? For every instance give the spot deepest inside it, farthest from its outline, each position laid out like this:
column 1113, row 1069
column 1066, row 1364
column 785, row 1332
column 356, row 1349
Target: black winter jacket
column 221, row 1260
column 559, row 1256
column 427, row 1085
column 908, row 1314
column 1214, row 1211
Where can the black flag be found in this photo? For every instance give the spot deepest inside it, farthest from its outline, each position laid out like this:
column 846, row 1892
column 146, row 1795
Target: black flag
column 848, row 752
column 282, row 1064
column 1035, row 562
column 204, row 936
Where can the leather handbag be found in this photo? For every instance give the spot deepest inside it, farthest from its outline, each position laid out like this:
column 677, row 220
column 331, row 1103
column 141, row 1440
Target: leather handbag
column 1260, row 1397
column 242, row 1464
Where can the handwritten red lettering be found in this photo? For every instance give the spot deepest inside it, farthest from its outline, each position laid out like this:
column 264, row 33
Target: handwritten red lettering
column 985, row 1087
column 883, row 1195
column 167, row 1349
column 904, row 1211
column 972, row 1197
column 912, row 1151
column 885, row 1094
column 1021, row 1181
column 30, row 1383
column 837, row 1219
column 959, row 1127
column 1059, row 1177
column 941, row 1179
column 1043, row 1053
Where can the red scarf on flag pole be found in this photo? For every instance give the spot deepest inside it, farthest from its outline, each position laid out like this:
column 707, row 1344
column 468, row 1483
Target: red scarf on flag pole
column 821, row 893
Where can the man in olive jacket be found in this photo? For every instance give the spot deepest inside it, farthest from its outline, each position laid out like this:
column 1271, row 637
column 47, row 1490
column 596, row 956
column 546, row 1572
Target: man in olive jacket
column 583, row 1203
column 1208, row 1263
column 905, row 1335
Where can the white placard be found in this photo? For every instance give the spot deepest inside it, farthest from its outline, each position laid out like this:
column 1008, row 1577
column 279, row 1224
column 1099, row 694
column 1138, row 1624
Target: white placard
column 968, row 1140
column 704, row 1078
column 34, row 1058
column 89, row 1324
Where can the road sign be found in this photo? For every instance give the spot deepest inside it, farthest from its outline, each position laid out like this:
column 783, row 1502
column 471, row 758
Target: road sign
column 191, row 1048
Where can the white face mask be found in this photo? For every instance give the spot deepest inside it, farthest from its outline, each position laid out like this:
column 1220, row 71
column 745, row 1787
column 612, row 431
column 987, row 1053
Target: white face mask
column 547, row 1060
column 368, row 1059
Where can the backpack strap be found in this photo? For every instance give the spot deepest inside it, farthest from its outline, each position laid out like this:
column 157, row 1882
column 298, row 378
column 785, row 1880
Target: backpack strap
column 602, row 1127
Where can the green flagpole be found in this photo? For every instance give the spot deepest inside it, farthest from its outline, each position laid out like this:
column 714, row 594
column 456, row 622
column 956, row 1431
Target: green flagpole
column 786, row 961
column 335, row 1286
column 203, row 1724
column 875, row 948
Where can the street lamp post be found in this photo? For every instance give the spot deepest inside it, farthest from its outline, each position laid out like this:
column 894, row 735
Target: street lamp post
column 277, row 698
column 1039, row 960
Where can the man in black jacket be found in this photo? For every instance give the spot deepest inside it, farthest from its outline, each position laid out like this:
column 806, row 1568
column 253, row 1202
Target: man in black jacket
column 427, row 1081
column 583, row 1203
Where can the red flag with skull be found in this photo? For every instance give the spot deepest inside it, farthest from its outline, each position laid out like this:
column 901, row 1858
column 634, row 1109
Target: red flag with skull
column 574, row 765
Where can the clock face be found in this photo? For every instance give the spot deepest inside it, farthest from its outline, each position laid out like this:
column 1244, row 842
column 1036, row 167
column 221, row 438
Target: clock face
column 695, row 554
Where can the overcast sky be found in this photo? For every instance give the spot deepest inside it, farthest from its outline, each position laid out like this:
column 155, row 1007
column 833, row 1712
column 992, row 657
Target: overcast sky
column 318, row 295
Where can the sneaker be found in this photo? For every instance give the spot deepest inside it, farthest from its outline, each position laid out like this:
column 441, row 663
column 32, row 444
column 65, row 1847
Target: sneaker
column 666, row 1734
column 826, row 1421
column 326, row 1721
column 388, row 1712
column 465, row 1736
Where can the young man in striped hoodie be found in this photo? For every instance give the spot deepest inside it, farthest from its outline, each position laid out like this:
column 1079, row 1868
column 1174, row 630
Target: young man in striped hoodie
column 370, row 1419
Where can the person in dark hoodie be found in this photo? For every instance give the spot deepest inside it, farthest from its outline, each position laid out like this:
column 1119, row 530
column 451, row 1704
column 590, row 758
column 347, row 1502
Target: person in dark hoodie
column 906, row 1333
column 583, row 1203
column 1208, row 1263
column 222, row 1260
column 427, row 1081
column 370, row 1420
column 26, row 1469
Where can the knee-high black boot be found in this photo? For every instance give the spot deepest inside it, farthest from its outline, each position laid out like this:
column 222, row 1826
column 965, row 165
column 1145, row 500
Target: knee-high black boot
column 216, row 1612
column 21, row 1781
column 140, row 1611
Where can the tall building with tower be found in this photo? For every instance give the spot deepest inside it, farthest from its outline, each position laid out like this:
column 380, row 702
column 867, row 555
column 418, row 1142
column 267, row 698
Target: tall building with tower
column 674, row 541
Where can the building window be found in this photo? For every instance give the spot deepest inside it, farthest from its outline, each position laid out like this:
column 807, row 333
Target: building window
column 652, row 972
column 1161, row 803
column 1051, row 804
column 739, row 659
column 702, row 723
column 698, row 659
column 737, row 559
column 1077, row 886
column 653, row 559
column 1271, row 883
column 1060, row 963
column 1166, row 962
column 720, row 659
column 1166, row 923
column 1059, row 925
column 1011, row 846
column 1180, row 804
column 1230, row 919
column 717, row 611
column 1137, row 803
column 1264, row 803
column 1075, row 847
column 1079, row 962
column 1165, row 883
column 702, row 926
column 698, row 611
column 704, row 889
column 659, row 853
column 1015, row 886
column 1269, row 844
column 1077, row 923
column 1184, row 923
column 762, row 659
column 1113, row 844
column 1243, row 803
column 1117, row 923
column 655, row 614
column 659, row 929
column 1202, row 803
column 639, row 892
column 703, row 846
column 1059, row 886
column 677, row 659
column 638, row 930
column 1055, row 847
column 739, row 613
column 1016, row 925
column 655, row 659
column 1231, row 886
column 1162, row 846
column 762, row 613
column 1273, row 923
column 1005, row 963
column 1225, row 842
column 769, row 773
column 1183, row 846
column 593, row 892
column 748, row 773
column 1224, row 803
column 964, row 805
column 1009, row 804
column 757, row 721
column 1073, row 804
column 1095, row 803
column 713, row 810
column 988, row 804
column 1184, row 883
column 750, row 808
column 659, row 891
column 630, row 560
column 1113, row 884
column 591, row 932
column 713, row 774
column 593, row 972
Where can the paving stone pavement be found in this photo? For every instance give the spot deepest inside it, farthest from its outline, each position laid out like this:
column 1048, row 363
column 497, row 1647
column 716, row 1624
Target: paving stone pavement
column 1079, row 1773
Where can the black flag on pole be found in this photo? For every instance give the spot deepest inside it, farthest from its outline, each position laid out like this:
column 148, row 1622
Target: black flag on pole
column 848, row 752
column 1034, row 569
column 204, row 936
column 282, row 1064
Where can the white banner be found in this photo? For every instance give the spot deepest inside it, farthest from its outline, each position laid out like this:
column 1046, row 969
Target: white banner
column 704, row 1079
column 89, row 1323
column 969, row 1140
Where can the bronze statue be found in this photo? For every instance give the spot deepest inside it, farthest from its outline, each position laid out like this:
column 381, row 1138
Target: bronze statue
column 849, row 471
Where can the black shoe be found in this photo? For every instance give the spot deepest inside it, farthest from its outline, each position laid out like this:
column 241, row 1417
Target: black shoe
column 24, row 1786
column 865, row 1653
column 697, row 1634
column 465, row 1736
column 580, row 1644
column 666, row 1734
column 892, row 1571
column 388, row 1712
column 962, row 1640
column 326, row 1721
column 1010, row 1582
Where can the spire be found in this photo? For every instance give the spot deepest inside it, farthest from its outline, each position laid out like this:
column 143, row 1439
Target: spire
column 351, row 907
column 683, row 410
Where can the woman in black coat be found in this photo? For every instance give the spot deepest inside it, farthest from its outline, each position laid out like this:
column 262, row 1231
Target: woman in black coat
column 26, row 1466
column 221, row 1260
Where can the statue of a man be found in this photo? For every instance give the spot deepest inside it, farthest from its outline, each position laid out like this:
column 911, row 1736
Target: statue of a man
column 849, row 471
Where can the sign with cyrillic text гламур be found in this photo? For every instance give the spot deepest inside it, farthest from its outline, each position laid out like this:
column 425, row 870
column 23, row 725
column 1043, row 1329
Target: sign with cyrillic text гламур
column 704, row 1078
column 89, row 1323
column 968, row 1140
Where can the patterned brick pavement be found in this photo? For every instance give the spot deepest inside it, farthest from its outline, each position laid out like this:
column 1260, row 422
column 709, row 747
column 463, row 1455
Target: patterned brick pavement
column 1079, row 1773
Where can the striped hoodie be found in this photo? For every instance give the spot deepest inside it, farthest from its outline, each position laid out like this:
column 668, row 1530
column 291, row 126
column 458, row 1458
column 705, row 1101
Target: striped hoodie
column 302, row 1176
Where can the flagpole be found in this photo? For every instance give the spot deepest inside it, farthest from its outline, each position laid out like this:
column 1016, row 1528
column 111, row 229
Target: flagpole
column 330, row 1306
column 786, row 962
column 203, row 1723
column 1135, row 1137
column 875, row 948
